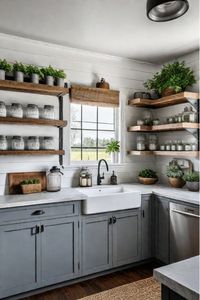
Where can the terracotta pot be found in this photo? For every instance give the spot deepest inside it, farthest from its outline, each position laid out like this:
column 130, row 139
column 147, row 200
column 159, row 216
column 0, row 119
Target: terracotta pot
column 31, row 188
column 168, row 92
column 192, row 186
column 147, row 181
column 176, row 182
column 103, row 84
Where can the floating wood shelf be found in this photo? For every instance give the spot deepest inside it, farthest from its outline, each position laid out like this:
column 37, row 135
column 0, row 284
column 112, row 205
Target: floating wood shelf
column 27, row 87
column 164, row 127
column 94, row 96
column 28, row 121
column 32, row 152
column 165, row 101
column 164, row 153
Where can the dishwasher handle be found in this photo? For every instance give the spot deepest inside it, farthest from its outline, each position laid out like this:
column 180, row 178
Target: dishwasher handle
column 185, row 213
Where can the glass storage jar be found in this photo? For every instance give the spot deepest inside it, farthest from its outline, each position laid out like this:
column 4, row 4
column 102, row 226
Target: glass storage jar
column 32, row 111
column 48, row 143
column 141, row 142
column 54, row 180
column 15, row 110
column 162, row 147
column 3, row 142
column 173, row 146
column 179, row 146
column 33, row 143
column 17, row 143
column 2, row 109
column 168, row 146
column 153, row 142
column 192, row 116
column 187, row 147
column 48, row 112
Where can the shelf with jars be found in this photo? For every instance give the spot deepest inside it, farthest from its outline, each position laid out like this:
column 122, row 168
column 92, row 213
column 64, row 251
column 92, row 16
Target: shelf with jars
column 165, row 153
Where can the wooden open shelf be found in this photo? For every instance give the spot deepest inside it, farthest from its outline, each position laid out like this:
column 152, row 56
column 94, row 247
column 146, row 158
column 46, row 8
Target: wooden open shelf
column 28, row 121
column 164, row 153
column 32, row 152
column 27, row 87
column 164, row 127
column 165, row 101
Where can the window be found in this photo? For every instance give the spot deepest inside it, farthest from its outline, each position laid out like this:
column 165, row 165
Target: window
column 92, row 128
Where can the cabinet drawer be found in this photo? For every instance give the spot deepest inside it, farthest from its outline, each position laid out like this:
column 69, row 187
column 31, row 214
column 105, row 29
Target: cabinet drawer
column 36, row 212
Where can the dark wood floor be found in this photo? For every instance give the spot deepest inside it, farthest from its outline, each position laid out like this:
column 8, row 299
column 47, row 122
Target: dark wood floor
column 96, row 285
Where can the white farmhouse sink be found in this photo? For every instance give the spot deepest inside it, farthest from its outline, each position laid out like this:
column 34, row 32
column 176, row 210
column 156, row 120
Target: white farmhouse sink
column 108, row 198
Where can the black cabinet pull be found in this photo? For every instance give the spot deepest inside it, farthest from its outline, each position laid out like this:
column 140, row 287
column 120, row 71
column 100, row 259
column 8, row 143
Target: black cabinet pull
column 42, row 228
column 110, row 221
column 114, row 220
column 38, row 212
column 35, row 230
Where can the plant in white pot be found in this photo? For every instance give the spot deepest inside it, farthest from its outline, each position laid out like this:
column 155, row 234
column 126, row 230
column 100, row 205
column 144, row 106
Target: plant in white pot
column 19, row 71
column 113, row 148
column 49, row 75
column 192, row 181
column 34, row 73
column 5, row 67
column 175, row 175
column 60, row 76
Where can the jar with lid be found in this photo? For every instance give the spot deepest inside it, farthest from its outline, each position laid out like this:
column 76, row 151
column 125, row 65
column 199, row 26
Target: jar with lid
column 156, row 122
column 187, row 147
column 140, row 122
column 192, row 116
column 171, row 120
column 147, row 117
column 176, row 119
column 185, row 115
column 54, row 179
column 89, row 179
column 173, row 146
column 162, row 147
column 153, row 141
column 33, row 143
column 83, row 177
column 168, row 146
column 48, row 143
column 141, row 143
column 32, row 111
column 179, row 118
column 17, row 143
column 179, row 146
column 194, row 146
column 48, row 112
column 3, row 142
column 15, row 110
column 2, row 109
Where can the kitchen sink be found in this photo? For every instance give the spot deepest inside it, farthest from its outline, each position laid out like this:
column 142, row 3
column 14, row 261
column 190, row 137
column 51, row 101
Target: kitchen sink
column 109, row 198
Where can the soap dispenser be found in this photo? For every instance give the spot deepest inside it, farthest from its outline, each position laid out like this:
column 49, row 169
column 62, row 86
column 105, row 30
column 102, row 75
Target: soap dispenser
column 113, row 179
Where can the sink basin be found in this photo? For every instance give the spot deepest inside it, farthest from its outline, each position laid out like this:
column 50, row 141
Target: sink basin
column 104, row 199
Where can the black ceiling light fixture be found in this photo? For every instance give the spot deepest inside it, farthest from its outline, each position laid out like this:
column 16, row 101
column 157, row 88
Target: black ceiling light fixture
column 163, row 10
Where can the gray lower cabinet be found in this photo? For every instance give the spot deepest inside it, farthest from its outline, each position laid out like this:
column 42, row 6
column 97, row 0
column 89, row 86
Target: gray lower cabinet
column 110, row 240
column 146, row 234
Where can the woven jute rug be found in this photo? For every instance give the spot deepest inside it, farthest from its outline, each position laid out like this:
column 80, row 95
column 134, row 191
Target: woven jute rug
column 146, row 289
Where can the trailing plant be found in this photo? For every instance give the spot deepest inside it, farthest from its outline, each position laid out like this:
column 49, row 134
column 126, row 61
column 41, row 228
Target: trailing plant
column 30, row 181
column 147, row 173
column 191, row 177
column 113, row 146
column 31, row 69
column 19, row 67
column 49, row 71
column 60, row 74
column 175, row 76
column 4, row 65
column 174, row 171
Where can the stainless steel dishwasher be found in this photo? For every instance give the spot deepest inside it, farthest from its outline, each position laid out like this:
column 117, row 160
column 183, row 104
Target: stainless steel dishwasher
column 184, row 231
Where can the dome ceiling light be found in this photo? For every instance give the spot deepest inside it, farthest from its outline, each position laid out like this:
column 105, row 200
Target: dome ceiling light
column 163, row 10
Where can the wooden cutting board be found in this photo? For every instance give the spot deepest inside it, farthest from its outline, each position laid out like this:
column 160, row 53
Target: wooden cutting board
column 14, row 180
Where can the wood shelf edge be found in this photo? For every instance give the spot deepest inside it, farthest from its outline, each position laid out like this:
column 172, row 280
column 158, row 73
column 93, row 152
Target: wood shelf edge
column 164, row 127
column 29, row 121
column 32, row 152
column 164, row 153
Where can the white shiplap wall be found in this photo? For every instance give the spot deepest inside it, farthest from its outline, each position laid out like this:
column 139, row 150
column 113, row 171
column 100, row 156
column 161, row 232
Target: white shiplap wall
column 85, row 68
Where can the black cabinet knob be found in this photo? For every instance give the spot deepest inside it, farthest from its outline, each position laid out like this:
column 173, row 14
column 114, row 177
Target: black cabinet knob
column 38, row 213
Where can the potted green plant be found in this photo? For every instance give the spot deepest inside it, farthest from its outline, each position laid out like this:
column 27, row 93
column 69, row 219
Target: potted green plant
column 175, row 175
column 113, row 148
column 49, row 75
column 30, row 186
column 192, row 181
column 173, row 78
column 19, row 70
column 5, row 67
column 147, row 176
column 35, row 73
column 60, row 76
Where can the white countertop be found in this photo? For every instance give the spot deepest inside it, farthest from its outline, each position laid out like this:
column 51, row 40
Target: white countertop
column 72, row 194
column 181, row 277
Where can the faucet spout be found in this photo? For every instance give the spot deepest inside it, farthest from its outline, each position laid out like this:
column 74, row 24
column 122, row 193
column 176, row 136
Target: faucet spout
column 99, row 177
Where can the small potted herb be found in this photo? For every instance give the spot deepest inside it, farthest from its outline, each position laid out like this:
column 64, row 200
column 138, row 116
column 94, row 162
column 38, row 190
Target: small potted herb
column 60, row 76
column 192, row 181
column 19, row 70
column 30, row 186
column 5, row 67
column 35, row 73
column 147, row 176
column 175, row 175
column 113, row 149
column 173, row 78
column 49, row 74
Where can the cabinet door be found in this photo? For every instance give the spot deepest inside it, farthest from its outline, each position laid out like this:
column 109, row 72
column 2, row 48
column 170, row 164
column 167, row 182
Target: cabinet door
column 146, row 235
column 96, row 244
column 162, row 230
column 60, row 242
column 19, row 259
column 126, row 237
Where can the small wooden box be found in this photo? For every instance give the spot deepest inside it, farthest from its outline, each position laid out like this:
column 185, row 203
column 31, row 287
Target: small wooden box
column 31, row 188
